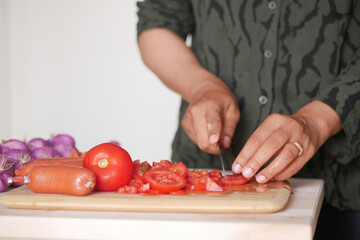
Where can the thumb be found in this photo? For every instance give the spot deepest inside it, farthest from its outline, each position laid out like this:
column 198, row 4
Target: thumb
column 230, row 121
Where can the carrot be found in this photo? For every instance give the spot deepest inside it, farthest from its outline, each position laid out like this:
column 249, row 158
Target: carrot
column 70, row 161
column 69, row 180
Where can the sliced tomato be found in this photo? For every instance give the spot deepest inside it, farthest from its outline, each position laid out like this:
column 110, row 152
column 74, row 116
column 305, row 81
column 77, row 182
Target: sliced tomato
column 234, row 180
column 179, row 168
column 164, row 181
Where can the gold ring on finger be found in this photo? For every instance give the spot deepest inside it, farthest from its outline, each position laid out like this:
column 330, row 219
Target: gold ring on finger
column 301, row 150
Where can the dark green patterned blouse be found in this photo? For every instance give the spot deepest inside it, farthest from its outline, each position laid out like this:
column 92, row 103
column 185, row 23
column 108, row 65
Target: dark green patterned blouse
column 276, row 56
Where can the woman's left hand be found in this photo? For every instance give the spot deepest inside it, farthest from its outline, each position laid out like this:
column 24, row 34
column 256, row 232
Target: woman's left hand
column 291, row 140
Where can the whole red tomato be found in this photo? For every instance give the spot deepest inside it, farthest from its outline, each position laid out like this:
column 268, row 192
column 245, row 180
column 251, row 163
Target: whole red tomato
column 111, row 164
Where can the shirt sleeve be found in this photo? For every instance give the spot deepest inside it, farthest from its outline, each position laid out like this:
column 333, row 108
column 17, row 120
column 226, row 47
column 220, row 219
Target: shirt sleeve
column 174, row 15
column 344, row 97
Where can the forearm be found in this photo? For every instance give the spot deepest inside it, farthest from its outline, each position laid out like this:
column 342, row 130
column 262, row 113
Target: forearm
column 174, row 63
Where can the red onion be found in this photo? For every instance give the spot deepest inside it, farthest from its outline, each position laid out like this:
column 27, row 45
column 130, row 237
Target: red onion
column 4, row 183
column 13, row 144
column 37, row 143
column 62, row 139
column 64, row 150
column 44, row 152
column 18, row 157
column 6, row 166
column 115, row 142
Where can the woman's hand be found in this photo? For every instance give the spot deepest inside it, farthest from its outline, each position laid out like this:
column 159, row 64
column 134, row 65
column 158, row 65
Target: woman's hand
column 213, row 111
column 212, row 116
column 290, row 140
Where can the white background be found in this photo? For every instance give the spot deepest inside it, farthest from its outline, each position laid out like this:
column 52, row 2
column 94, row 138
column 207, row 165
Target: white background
column 73, row 66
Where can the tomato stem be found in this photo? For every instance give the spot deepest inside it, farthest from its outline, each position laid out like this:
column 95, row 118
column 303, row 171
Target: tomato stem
column 103, row 163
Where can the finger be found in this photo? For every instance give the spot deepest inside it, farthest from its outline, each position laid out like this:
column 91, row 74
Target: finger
column 288, row 154
column 251, row 146
column 207, row 130
column 268, row 149
column 187, row 125
column 292, row 168
column 230, row 121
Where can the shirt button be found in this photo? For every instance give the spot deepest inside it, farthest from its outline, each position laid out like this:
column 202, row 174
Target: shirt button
column 272, row 5
column 263, row 100
column 268, row 54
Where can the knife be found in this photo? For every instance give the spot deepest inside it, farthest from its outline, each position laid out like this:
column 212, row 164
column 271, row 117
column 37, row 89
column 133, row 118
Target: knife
column 221, row 159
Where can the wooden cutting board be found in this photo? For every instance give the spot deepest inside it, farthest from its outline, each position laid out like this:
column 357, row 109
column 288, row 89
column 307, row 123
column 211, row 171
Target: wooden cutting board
column 248, row 198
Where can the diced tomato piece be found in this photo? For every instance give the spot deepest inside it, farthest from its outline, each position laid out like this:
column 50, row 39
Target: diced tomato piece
column 212, row 186
column 144, row 188
column 195, row 187
column 179, row 168
column 139, row 179
column 157, row 166
column 164, row 181
column 215, row 174
column 197, row 173
column 121, row 190
column 165, row 163
column 131, row 189
column 140, row 168
column 234, row 180
column 178, row 192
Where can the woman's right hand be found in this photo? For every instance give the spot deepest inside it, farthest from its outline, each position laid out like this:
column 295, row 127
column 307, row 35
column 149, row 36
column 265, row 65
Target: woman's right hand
column 211, row 117
column 213, row 112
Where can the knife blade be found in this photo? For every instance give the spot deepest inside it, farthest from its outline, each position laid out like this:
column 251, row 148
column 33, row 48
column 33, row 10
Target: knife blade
column 222, row 160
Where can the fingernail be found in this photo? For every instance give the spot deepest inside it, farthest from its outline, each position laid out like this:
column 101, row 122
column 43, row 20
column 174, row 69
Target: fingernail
column 260, row 178
column 247, row 172
column 236, row 168
column 213, row 139
column 226, row 142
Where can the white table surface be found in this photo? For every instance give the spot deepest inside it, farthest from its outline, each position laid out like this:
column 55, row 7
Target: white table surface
column 296, row 221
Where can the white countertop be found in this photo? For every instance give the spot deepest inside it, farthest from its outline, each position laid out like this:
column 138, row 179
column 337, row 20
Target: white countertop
column 296, row 221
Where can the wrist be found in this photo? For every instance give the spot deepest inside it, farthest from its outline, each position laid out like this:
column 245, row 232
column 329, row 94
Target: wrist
column 322, row 119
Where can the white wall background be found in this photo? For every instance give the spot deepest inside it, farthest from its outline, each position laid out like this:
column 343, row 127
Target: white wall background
column 73, row 66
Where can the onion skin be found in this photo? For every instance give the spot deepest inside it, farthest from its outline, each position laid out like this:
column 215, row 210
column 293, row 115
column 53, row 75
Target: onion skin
column 62, row 139
column 64, row 150
column 44, row 152
column 4, row 184
column 6, row 171
column 13, row 144
column 37, row 143
column 18, row 157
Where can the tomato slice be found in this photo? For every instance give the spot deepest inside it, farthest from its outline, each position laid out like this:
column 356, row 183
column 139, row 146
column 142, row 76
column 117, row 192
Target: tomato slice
column 179, row 168
column 164, row 181
column 234, row 180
